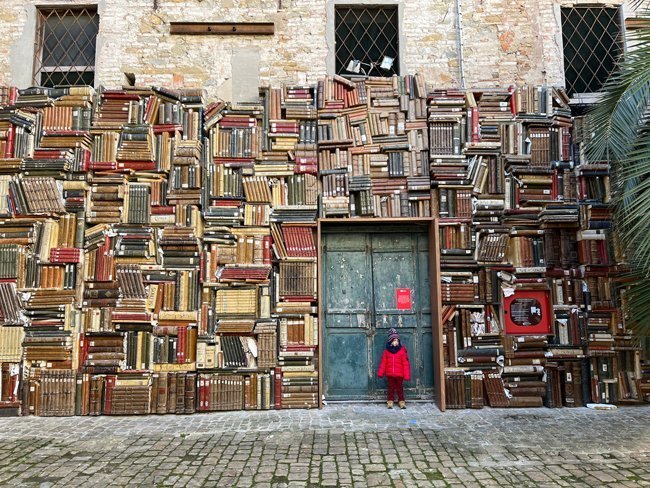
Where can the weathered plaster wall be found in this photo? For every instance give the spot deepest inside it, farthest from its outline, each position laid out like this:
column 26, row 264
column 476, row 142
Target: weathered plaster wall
column 504, row 42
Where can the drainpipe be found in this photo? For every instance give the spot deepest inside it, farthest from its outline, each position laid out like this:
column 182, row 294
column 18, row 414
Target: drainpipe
column 459, row 35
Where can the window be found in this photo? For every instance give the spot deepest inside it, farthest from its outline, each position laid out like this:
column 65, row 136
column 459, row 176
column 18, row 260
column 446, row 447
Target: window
column 366, row 35
column 66, row 41
column 592, row 46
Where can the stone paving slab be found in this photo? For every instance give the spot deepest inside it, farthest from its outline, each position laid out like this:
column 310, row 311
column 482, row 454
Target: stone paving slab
column 344, row 445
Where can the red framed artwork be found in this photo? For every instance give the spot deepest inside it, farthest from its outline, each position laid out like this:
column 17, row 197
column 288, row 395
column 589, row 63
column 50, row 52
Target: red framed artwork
column 527, row 312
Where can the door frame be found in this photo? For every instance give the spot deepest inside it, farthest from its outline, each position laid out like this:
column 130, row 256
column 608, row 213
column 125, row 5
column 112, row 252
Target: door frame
column 436, row 296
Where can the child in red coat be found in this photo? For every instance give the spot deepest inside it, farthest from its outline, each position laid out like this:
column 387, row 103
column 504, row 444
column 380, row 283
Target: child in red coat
column 395, row 365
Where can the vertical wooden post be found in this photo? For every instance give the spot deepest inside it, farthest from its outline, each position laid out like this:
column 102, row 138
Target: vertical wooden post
column 436, row 316
column 319, row 293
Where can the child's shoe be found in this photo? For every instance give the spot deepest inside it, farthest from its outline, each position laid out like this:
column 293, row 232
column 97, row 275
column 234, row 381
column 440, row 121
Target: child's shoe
column 402, row 405
column 390, row 404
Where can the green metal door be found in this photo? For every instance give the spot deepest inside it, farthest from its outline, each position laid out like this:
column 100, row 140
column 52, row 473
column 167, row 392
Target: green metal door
column 365, row 275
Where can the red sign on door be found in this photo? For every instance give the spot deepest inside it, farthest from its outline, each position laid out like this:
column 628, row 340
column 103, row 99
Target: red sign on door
column 403, row 298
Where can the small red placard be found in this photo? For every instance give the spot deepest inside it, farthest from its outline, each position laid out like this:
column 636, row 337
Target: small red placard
column 403, row 298
column 527, row 312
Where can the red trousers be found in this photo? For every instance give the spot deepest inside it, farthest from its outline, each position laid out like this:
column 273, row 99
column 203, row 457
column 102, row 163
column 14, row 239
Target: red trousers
column 395, row 387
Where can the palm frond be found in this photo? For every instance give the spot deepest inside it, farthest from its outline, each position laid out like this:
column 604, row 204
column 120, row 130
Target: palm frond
column 637, row 305
column 640, row 4
column 632, row 200
column 621, row 135
column 615, row 119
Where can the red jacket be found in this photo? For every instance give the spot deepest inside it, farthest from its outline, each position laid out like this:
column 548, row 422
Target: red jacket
column 395, row 364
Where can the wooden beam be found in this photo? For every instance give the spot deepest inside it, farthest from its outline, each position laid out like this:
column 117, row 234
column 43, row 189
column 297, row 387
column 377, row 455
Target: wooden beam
column 223, row 28
column 321, row 332
column 436, row 316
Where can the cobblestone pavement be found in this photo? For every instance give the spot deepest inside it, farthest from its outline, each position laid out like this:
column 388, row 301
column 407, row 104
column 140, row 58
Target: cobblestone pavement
column 341, row 445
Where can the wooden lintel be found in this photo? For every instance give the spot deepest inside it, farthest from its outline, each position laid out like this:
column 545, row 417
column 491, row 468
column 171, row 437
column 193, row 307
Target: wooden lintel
column 223, row 28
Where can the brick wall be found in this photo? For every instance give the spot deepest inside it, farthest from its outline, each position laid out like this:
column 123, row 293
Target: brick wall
column 504, row 41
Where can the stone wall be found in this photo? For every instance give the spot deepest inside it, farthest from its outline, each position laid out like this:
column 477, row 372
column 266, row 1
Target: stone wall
column 503, row 41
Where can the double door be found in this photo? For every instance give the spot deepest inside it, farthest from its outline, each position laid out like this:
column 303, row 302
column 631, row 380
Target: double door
column 373, row 280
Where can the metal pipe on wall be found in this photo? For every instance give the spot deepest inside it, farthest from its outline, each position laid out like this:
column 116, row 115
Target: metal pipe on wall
column 459, row 32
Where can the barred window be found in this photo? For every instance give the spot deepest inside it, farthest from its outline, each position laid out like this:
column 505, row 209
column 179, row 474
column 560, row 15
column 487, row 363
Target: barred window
column 66, row 41
column 592, row 45
column 367, row 35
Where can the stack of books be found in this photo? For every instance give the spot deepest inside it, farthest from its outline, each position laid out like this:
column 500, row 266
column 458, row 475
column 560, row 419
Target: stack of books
column 161, row 250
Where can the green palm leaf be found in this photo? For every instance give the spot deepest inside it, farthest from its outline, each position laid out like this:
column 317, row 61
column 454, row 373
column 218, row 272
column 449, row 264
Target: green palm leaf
column 637, row 301
column 621, row 135
column 635, row 4
column 625, row 99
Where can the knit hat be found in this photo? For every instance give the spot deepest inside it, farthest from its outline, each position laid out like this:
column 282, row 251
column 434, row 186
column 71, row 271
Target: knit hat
column 392, row 334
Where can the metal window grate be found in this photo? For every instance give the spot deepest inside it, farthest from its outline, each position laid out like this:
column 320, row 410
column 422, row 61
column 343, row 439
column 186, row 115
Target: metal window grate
column 592, row 46
column 66, row 40
column 367, row 35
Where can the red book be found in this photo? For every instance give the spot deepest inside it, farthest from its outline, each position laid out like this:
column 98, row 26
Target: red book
column 306, row 165
column 513, row 108
column 583, row 187
column 302, row 241
column 103, row 165
column 206, row 394
column 289, row 241
column 119, row 95
column 85, row 160
column 603, row 252
column 237, row 122
column 283, row 124
column 312, row 244
column 9, row 148
column 137, row 165
column 201, row 384
column 278, row 389
column 210, row 383
column 51, row 153
column 108, row 394
column 299, row 241
column 159, row 129
column 65, row 255
column 227, row 203
column 13, row 95
column 185, row 334
column 83, row 348
column 213, row 108
column 296, row 91
column 163, row 210
column 266, row 249
column 180, row 352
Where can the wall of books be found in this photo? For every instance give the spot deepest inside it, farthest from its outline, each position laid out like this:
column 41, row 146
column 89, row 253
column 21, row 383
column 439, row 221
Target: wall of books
column 158, row 251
